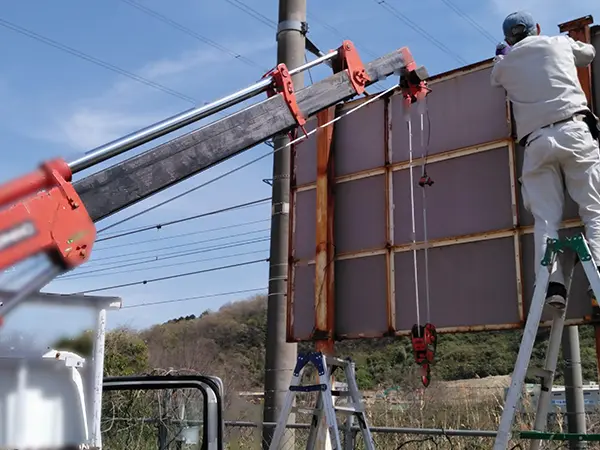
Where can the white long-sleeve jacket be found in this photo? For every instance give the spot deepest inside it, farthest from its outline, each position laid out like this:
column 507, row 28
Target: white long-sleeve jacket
column 539, row 75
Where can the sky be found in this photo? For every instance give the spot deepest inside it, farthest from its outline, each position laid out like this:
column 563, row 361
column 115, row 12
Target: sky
column 62, row 102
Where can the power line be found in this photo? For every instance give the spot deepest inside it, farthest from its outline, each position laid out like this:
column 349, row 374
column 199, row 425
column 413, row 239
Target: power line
column 341, row 116
column 159, row 226
column 173, row 255
column 196, row 297
column 92, row 59
column 343, row 37
column 339, row 34
column 133, row 216
column 466, row 17
column 97, row 273
column 184, row 193
column 255, row 160
column 175, row 197
column 187, row 244
column 252, row 12
column 402, row 17
column 192, row 33
column 171, row 277
column 272, row 24
column 191, row 233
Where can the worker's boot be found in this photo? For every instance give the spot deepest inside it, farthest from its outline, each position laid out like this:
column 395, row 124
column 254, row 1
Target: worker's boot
column 556, row 295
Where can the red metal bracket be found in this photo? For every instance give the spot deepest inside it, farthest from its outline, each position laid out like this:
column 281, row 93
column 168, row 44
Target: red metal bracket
column 424, row 343
column 349, row 60
column 412, row 79
column 282, row 84
column 42, row 212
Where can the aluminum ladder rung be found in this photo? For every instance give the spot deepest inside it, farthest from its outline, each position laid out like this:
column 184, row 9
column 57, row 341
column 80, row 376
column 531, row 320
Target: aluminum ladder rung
column 539, row 372
column 349, row 409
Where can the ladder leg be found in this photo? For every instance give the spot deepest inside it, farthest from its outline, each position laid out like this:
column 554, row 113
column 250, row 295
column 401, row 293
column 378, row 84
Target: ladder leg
column 589, row 265
column 357, row 400
column 553, row 348
column 281, row 427
column 315, row 422
column 518, row 377
column 329, row 411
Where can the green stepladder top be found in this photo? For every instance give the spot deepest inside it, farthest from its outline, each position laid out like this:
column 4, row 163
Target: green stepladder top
column 576, row 243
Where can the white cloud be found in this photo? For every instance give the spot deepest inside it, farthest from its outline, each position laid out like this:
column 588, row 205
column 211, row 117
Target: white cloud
column 128, row 105
column 87, row 127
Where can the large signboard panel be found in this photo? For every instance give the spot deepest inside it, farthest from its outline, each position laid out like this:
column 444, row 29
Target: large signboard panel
column 480, row 249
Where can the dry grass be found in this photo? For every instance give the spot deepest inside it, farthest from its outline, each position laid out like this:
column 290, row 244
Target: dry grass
column 463, row 405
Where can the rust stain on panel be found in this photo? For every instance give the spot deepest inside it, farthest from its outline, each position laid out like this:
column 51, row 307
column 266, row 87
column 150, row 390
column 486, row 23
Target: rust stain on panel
column 389, row 219
column 324, row 256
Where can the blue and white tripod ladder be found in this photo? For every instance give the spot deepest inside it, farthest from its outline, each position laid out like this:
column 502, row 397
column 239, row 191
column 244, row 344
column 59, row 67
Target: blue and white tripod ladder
column 580, row 252
column 324, row 404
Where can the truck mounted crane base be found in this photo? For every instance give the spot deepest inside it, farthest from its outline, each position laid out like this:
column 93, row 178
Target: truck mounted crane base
column 579, row 252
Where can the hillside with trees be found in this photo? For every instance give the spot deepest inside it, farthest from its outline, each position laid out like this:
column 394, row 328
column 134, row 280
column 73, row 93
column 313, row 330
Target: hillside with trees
column 229, row 343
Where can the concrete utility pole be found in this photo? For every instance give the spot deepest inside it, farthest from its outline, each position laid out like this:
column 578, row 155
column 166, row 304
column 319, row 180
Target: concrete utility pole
column 574, row 385
column 281, row 356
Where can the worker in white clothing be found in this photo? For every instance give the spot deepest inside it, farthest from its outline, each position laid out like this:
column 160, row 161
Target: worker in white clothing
column 558, row 131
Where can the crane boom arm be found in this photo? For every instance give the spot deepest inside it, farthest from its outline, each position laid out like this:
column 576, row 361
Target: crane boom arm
column 43, row 212
column 126, row 183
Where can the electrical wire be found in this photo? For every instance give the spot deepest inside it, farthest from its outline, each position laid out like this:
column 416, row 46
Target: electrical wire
column 172, row 199
column 159, row 226
column 339, row 34
column 176, row 236
column 292, row 142
column 403, row 18
column 187, row 244
column 343, row 37
column 193, row 34
column 485, row 33
column 180, row 255
column 252, row 12
column 272, row 24
column 24, row 31
column 254, row 161
column 171, row 277
column 133, row 216
column 106, row 271
column 196, row 297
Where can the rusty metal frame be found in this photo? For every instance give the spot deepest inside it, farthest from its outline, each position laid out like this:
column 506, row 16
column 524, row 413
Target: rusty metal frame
column 515, row 232
column 389, row 217
column 324, row 330
column 404, row 165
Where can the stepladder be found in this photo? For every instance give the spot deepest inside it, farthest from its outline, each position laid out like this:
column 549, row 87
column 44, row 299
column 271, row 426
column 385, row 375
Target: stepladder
column 569, row 251
column 323, row 407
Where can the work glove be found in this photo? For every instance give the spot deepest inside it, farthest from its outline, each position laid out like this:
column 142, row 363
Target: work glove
column 502, row 49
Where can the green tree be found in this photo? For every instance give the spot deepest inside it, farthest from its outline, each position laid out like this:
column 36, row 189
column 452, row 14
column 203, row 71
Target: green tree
column 125, row 351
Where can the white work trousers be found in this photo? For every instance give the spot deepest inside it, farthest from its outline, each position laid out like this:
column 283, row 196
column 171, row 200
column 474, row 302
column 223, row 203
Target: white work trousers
column 565, row 151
